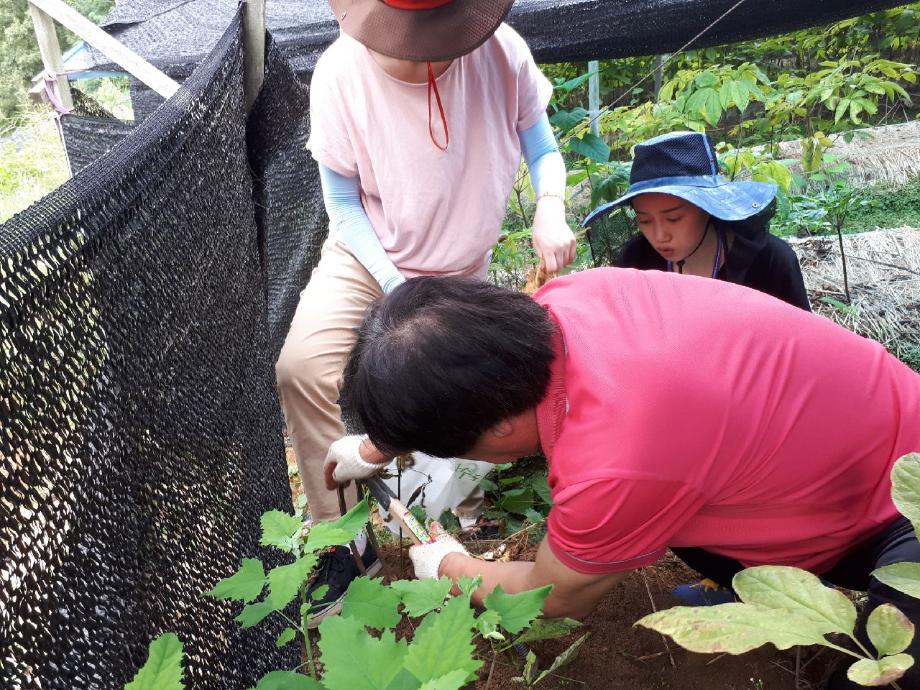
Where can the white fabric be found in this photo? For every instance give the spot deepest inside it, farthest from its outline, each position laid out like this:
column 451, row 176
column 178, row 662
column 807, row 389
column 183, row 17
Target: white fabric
column 426, row 558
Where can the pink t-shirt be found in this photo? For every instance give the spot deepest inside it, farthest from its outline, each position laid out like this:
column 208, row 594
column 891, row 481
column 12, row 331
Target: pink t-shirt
column 436, row 212
column 684, row 411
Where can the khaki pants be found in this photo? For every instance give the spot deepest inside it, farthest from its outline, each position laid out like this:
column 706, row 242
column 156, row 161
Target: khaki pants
column 309, row 368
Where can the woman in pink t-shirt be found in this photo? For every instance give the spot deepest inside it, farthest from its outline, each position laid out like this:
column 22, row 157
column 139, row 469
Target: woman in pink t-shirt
column 419, row 112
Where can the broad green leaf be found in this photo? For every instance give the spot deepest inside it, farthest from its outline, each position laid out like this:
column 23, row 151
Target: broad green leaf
column 468, row 585
column 549, row 629
column 706, row 79
column 882, row 672
column 740, row 95
column 369, row 602
column 889, row 630
column 443, row 643
column 325, row 534
column 286, row 680
column 286, row 636
column 904, row 577
column 279, row 529
column 516, row 501
column 253, row 614
column 590, row 146
column 318, row 593
column 452, row 681
column 354, row 660
column 244, row 585
column 905, row 487
column 732, row 628
column 421, row 596
column 565, row 657
column 517, row 610
column 487, row 625
column 404, row 681
column 799, row 592
column 285, row 580
column 568, row 119
column 712, row 109
column 163, row 668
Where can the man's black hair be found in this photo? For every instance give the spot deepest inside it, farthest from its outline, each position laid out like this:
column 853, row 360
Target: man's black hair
column 439, row 361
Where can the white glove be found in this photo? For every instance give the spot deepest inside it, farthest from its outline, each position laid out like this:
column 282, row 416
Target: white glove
column 344, row 462
column 426, row 558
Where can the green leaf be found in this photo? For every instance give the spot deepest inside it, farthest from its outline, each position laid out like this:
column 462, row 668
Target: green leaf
column 516, row 501
column 889, row 630
column 452, row 681
column 421, row 596
column 590, row 146
column 354, row 660
column 725, row 94
column 369, row 602
column 279, row 529
column 905, row 487
column 517, row 610
column 798, row 592
column 565, row 657
column 318, row 593
column 549, row 629
column 325, row 534
column 732, row 628
column 287, row 680
column 163, row 668
column 286, row 636
column 904, row 577
column 487, row 625
column 468, row 585
column 404, row 681
column 706, row 79
column 253, row 614
column 244, row 585
column 443, row 643
column 882, row 672
column 567, row 120
column 285, row 580
column 530, row 668
column 740, row 95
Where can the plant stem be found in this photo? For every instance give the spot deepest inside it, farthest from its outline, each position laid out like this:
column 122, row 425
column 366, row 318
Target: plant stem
column 491, row 669
column 843, row 260
column 307, row 642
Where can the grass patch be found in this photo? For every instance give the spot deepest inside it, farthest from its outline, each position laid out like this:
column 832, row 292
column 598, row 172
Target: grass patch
column 890, row 207
column 32, row 162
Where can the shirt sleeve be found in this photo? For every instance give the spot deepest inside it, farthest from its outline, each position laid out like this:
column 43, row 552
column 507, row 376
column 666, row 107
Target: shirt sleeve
column 329, row 141
column 350, row 224
column 610, row 525
column 534, row 91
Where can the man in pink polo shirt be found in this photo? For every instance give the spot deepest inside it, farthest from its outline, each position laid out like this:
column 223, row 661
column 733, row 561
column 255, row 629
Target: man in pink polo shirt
column 673, row 411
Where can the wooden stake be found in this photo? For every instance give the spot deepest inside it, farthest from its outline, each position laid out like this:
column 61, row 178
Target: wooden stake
column 50, row 50
column 113, row 49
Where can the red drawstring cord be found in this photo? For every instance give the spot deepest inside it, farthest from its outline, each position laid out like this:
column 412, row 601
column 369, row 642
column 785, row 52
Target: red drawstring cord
column 432, row 85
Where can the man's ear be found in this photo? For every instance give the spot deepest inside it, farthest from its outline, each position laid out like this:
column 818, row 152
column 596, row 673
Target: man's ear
column 503, row 429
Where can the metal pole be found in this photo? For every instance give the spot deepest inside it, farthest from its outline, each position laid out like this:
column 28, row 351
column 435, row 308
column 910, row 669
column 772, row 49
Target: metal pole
column 594, row 95
column 253, row 49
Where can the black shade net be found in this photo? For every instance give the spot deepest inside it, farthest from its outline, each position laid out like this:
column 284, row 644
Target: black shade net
column 141, row 435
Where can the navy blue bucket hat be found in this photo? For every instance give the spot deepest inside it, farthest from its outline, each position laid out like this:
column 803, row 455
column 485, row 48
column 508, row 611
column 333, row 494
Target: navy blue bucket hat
column 684, row 165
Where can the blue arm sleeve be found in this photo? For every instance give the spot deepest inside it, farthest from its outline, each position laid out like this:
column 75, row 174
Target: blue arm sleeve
column 348, row 221
column 540, row 151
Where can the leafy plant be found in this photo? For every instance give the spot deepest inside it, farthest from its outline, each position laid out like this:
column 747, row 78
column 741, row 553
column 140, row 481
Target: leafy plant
column 786, row 606
column 163, row 668
column 517, row 496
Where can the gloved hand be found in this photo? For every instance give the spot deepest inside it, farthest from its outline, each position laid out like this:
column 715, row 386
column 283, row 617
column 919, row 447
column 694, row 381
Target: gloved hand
column 344, row 462
column 426, row 558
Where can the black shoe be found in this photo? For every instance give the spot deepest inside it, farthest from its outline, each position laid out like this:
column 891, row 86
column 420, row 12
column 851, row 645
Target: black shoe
column 336, row 568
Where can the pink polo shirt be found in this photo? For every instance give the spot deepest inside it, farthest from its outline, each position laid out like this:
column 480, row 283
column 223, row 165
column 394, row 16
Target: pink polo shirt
column 436, row 212
column 691, row 412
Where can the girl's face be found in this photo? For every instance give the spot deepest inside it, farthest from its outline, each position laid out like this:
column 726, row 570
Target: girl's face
column 672, row 226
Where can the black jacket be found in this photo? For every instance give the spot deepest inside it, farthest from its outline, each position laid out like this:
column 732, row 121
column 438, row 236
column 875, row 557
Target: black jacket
column 756, row 260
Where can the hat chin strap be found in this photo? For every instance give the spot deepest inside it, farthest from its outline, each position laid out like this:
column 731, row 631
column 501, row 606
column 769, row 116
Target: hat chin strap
column 433, row 86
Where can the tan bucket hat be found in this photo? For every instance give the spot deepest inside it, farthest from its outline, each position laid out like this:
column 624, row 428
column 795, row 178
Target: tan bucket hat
column 421, row 30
